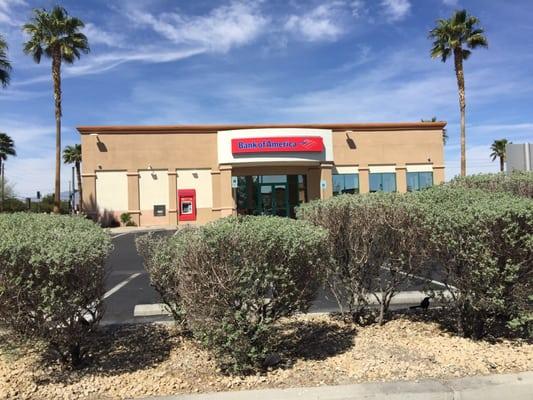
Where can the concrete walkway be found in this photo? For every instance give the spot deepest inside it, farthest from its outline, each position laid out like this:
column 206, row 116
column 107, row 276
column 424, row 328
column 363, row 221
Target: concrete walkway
column 138, row 229
column 492, row 387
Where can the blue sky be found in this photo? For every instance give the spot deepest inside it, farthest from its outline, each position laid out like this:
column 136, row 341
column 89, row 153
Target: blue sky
column 206, row 61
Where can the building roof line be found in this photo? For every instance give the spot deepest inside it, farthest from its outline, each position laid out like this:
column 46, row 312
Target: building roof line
column 375, row 126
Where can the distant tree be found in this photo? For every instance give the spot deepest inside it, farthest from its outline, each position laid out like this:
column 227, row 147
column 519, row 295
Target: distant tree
column 444, row 130
column 5, row 65
column 58, row 36
column 7, row 148
column 499, row 148
column 455, row 36
column 72, row 155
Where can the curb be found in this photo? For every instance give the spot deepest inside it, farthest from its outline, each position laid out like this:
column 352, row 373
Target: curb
column 403, row 298
column 492, row 387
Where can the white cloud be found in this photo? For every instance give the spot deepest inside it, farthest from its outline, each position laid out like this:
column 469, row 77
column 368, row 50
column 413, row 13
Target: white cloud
column 225, row 27
column 320, row 23
column 450, row 2
column 358, row 8
column 97, row 35
column 6, row 11
column 396, row 10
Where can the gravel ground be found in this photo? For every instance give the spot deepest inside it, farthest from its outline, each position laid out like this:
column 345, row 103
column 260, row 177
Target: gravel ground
column 147, row 360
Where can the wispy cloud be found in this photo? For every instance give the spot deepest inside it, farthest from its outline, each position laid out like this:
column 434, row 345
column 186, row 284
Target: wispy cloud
column 98, row 35
column 225, row 27
column 7, row 13
column 451, row 3
column 396, row 10
column 320, row 23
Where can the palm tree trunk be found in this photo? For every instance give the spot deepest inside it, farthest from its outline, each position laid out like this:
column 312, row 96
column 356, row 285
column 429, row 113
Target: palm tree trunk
column 501, row 164
column 80, row 192
column 2, row 178
column 459, row 72
column 56, row 75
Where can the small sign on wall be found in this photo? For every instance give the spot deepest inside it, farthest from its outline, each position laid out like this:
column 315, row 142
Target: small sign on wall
column 159, row 210
column 234, row 182
column 323, row 184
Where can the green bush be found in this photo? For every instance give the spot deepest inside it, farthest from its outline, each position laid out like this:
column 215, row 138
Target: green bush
column 484, row 243
column 237, row 276
column 126, row 220
column 517, row 183
column 377, row 242
column 52, row 279
column 160, row 254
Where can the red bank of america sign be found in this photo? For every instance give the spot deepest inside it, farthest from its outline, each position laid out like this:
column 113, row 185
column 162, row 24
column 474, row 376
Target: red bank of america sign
column 284, row 144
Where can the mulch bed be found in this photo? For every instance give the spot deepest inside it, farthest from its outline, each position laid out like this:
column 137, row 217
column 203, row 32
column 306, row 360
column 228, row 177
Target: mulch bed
column 149, row 360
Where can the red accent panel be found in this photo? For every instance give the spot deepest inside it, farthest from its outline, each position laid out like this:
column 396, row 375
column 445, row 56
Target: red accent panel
column 285, row 144
column 186, row 205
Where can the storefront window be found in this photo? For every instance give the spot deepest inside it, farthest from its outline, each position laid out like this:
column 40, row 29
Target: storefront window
column 419, row 180
column 270, row 194
column 383, row 182
column 345, row 183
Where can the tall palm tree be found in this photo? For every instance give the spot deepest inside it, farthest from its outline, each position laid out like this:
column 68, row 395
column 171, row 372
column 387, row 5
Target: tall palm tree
column 5, row 65
column 499, row 148
column 7, row 148
column 56, row 35
column 457, row 36
column 72, row 155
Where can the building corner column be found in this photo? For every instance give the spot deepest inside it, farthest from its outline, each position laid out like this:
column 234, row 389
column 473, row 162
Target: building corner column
column 90, row 207
column 438, row 174
column 401, row 178
column 326, row 176
column 364, row 179
column 133, row 197
column 172, row 197
column 227, row 197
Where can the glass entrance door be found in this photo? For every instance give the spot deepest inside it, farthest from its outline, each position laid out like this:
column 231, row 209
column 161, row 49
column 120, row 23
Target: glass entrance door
column 270, row 194
column 273, row 199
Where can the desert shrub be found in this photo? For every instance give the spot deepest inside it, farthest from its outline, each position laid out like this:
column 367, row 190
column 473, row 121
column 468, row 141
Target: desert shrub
column 160, row 254
column 239, row 275
column 377, row 242
column 484, row 243
column 125, row 218
column 52, row 279
column 519, row 183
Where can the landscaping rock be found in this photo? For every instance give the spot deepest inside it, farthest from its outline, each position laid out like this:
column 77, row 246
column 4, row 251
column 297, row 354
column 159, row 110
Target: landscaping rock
column 152, row 360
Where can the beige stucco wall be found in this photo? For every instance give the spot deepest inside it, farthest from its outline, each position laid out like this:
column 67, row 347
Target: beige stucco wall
column 199, row 180
column 153, row 190
column 191, row 154
column 112, row 191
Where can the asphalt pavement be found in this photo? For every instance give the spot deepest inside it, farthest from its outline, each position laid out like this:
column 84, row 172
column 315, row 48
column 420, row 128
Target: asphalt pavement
column 128, row 285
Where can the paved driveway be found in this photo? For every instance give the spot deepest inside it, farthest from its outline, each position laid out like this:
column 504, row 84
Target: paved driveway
column 128, row 284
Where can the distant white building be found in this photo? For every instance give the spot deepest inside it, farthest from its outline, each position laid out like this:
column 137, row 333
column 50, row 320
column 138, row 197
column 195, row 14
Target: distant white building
column 519, row 157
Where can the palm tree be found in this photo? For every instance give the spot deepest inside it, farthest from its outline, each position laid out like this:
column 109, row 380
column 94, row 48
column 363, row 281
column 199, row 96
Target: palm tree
column 5, row 65
column 498, row 148
column 7, row 148
column 56, row 35
column 72, row 155
column 450, row 37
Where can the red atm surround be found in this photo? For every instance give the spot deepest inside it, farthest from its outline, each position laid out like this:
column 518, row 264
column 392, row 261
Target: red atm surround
column 186, row 205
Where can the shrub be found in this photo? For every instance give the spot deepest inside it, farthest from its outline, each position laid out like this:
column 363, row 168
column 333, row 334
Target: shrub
column 125, row 218
column 484, row 242
column 237, row 276
column 160, row 254
column 52, row 279
column 518, row 182
column 377, row 242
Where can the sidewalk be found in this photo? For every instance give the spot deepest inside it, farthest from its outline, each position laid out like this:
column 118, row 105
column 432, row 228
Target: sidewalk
column 492, row 387
column 131, row 229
